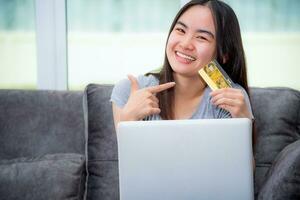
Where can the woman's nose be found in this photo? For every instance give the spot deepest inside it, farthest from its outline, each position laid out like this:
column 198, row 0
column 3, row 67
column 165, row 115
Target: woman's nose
column 187, row 43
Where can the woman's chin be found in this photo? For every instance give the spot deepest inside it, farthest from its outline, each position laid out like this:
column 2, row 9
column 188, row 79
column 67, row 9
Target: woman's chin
column 185, row 73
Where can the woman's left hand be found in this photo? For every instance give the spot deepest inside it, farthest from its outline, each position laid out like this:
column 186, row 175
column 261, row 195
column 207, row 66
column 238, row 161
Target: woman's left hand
column 232, row 100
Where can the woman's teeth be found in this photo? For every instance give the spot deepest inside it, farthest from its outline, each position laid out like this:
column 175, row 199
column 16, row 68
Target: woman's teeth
column 185, row 56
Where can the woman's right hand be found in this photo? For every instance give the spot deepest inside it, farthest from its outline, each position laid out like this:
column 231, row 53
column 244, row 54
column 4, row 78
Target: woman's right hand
column 142, row 102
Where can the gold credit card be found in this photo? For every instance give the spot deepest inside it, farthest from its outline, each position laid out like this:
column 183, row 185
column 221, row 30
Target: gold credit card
column 215, row 76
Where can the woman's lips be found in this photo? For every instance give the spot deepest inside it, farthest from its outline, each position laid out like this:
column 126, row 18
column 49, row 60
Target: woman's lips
column 183, row 58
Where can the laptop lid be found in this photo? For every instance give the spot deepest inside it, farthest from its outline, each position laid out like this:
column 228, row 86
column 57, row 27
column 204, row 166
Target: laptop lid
column 185, row 159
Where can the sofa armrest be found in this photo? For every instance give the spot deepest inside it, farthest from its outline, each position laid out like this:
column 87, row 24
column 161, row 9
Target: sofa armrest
column 283, row 179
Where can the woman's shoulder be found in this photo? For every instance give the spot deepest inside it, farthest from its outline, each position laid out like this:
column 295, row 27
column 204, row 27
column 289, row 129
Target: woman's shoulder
column 121, row 90
column 124, row 85
column 238, row 86
column 147, row 80
column 143, row 81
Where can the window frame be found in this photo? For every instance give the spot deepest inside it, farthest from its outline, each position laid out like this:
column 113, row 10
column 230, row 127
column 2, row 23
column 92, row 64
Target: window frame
column 51, row 36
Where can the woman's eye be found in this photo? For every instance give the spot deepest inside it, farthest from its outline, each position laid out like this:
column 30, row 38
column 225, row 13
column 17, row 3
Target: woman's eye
column 179, row 30
column 202, row 38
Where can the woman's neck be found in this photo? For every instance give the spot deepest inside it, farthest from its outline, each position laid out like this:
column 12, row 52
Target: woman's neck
column 188, row 87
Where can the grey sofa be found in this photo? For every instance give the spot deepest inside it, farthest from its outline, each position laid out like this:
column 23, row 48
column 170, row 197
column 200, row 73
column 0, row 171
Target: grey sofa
column 62, row 144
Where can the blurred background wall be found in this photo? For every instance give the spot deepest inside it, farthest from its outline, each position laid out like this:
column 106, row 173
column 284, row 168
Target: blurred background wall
column 107, row 39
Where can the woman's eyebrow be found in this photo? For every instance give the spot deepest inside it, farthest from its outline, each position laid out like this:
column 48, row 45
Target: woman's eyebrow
column 182, row 24
column 198, row 30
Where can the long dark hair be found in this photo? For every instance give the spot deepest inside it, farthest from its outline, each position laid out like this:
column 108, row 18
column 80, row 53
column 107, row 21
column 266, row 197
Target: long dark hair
column 229, row 46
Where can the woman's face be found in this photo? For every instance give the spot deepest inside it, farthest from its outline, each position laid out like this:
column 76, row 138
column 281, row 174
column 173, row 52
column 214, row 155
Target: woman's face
column 192, row 42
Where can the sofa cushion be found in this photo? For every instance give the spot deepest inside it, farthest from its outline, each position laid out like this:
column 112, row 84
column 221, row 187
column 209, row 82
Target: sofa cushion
column 277, row 113
column 103, row 180
column 40, row 122
column 283, row 179
column 56, row 176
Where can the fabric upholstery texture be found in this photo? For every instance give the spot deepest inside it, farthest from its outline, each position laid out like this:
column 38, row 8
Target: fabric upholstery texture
column 283, row 179
column 56, row 176
column 277, row 113
column 102, row 178
column 34, row 123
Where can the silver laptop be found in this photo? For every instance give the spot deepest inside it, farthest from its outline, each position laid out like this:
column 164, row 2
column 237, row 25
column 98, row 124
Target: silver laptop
column 209, row 159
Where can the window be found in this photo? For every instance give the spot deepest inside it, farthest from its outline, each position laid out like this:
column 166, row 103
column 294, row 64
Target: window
column 271, row 38
column 107, row 39
column 17, row 44
column 267, row 15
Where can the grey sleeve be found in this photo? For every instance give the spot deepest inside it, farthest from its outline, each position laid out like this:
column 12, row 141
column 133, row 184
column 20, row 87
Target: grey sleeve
column 120, row 93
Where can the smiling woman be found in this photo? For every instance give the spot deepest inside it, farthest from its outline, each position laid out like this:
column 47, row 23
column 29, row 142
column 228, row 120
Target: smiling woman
column 196, row 37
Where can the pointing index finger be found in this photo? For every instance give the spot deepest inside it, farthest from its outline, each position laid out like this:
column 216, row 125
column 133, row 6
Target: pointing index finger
column 160, row 88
